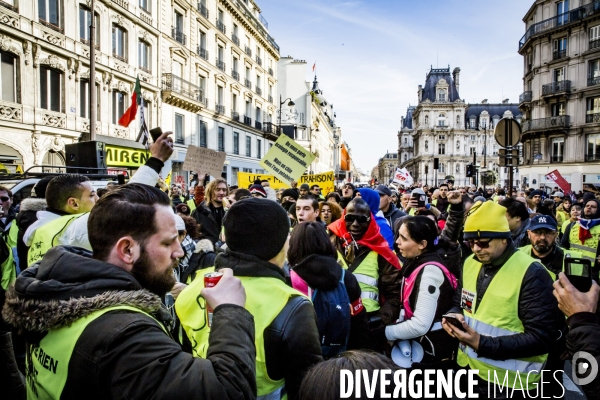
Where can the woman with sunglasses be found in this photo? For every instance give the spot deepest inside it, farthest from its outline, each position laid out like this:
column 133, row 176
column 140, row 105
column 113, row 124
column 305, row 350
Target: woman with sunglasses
column 428, row 286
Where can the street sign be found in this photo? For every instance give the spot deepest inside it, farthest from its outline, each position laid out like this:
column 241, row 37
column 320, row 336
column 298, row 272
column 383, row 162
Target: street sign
column 507, row 128
column 502, row 157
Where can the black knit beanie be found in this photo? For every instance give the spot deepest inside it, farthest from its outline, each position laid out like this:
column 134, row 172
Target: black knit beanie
column 291, row 193
column 256, row 227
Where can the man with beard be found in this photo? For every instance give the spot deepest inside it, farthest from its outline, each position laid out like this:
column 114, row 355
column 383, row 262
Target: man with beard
column 209, row 214
column 584, row 235
column 94, row 323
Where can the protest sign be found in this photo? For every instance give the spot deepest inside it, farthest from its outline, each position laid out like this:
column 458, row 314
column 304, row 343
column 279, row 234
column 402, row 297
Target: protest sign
column 287, row 160
column 402, row 177
column 324, row 180
column 561, row 182
column 204, row 161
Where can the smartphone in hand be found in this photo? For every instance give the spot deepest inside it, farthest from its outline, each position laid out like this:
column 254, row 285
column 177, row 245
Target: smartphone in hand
column 579, row 273
column 452, row 320
column 155, row 133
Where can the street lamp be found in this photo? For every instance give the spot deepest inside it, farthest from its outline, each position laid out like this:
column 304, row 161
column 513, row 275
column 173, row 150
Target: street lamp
column 484, row 169
column 290, row 104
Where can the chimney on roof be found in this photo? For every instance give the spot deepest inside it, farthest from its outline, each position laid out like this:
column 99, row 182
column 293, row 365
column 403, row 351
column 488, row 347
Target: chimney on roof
column 505, row 101
column 420, row 93
column 401, row 122
column 456, row 77
column 484, row 101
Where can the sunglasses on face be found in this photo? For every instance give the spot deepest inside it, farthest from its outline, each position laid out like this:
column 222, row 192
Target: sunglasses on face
column 362, row 219
column 480, row 244
column 4, row 198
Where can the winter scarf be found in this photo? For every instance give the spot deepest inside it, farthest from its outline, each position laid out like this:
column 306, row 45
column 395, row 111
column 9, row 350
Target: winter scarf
column 585, row 225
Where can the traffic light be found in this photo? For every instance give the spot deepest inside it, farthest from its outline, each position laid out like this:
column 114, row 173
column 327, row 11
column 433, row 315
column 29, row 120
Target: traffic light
column 470, row 171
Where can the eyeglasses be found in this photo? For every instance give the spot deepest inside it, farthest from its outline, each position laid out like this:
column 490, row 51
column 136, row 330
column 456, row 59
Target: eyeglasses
column 362, row 219
column 4, row 198
column 480, row 244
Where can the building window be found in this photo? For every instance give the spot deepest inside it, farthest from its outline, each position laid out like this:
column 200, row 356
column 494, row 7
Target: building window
column 145, row 5
column 49, row 13
column 258, row 148
column 557, row 109
column 144, row 56
column 8, row 68
column 84, row 99
column 202, row 133
column 441, row 149
column 558, row 147
column 442, row 95
column 560, row 48
column 562, row 7
column 472, row 150
column 234, row 176
column 118, row 106
column 119, row 40
column 179, row 136
column 593, row 147
column 442, row 167
column 248, row 146
column 236, row 143
column 473, row 138
column 221, row 139
column 85, row 20
column 559, row 74
column 247, row 170
column 472, row 122
column 440, row 137
column 51, row 89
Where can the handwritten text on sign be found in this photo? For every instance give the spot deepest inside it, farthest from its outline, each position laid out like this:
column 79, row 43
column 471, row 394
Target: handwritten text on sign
column 204, row 161
column 324, row 180
column 287, row 160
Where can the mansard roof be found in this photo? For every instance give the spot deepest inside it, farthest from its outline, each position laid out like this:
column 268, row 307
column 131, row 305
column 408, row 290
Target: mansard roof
column 492, row 109
column 432, row 79
column 409, row 116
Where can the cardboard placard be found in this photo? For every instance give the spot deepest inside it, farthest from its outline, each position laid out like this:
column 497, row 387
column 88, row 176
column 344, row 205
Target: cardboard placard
column 287, row 160
column 204, row 161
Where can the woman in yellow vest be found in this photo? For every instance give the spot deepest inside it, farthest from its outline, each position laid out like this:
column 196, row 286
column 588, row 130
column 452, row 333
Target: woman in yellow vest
column 584, row 235
column 509, row 322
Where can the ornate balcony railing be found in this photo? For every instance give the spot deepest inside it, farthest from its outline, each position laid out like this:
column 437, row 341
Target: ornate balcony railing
column 220, row 64
column 257, row 125
column 248, row 84
column 202, row 52
column 248, row 50
column 592, row 157
column 558, row 54
column 219, row 109
column 593, row 81
column 525, row 97
column 247, row 120
column 235, row 115
column 270, row 99
column 556, row 159
column 178, row 35
column 556, row 87
column 235, row 39
column 269, row 127
column 174, row 83
column 594, row 44
column 203, row 10
column 270, row 71
column 221, row 26
column 562, row 121
column 592, row 118
column 235, row 75
column 258, row 91
column 259, row 60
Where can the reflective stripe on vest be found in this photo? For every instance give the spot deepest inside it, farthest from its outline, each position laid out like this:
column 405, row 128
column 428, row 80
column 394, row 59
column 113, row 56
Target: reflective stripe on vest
column 48, row 364
column 497, row 315
column 341, row 261
column 566, row 253
column 265, row 298
column 369, row 269
column 46, row 236
column 589, row 248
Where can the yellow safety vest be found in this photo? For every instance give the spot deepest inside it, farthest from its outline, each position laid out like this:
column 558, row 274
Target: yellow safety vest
column 191, row 204
column 561, row 217
column 367, row 275
column 46, row 237
column 567, row 253
column 498, row 315
column 48, row 367
column 265, row 298
column 587, row 250
column 9, row 266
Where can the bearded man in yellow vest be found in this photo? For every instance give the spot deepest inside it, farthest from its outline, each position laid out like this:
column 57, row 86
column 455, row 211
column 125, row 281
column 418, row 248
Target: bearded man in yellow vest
column 584, row 235
column 506, row 308
column 286, row 337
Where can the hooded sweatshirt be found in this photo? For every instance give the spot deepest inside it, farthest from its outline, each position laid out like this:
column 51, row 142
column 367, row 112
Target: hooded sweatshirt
column 372, row 199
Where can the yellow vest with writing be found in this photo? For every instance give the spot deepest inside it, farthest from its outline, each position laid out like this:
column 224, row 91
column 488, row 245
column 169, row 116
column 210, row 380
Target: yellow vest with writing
column 265, row 298
column 498, row 315
column 46, row 236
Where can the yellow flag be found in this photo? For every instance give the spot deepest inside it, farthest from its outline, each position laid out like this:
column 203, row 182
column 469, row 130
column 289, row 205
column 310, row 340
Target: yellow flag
column 19, row 169
column 3, row 169
column 168, row 179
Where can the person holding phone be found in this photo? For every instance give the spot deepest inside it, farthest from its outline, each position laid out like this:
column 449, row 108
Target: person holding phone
column 505, row 304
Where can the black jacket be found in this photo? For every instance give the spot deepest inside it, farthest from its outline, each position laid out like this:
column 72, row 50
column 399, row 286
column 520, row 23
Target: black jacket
column 392, row 214
column 292, row 340
column 324, row 273
column 209, row 226
column 126, row 354
column 537, row 312
column 584, row 335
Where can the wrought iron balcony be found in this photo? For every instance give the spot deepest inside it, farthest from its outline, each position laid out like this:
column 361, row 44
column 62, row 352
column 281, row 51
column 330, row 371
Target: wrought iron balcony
column 248, row 50
column 550, row 123
column 235, row 75
column 270, row 130
column 556, row 159
column 220, row 64
column 219, row 109
column 202, row 52
column 248, row 84
column 593, row 81
column 270, row 99
column 558, row 54
column 592, row 118
column 556, row 87
column 181, row 93
column 247, row 120
column 259, row 60
column 235, row 115
column 258, row 91
column 178, row 35
column 270, row 71
column 592, row 157
column 257, row 125
column 558, row 21
column 525, row 97
column 235, row 39
column 594, row 44
column 203, row 10
column 221, row 26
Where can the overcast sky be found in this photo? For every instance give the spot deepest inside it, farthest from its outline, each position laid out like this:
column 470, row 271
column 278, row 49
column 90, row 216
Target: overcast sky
column 371, row 55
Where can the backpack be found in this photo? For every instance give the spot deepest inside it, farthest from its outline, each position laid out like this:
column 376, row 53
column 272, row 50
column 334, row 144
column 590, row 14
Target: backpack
column 333, row 318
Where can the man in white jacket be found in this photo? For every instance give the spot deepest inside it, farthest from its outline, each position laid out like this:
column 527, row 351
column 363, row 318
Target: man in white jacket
column 70, row 198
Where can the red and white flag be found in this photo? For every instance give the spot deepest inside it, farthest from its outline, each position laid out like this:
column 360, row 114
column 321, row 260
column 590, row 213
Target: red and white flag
column 558, row 179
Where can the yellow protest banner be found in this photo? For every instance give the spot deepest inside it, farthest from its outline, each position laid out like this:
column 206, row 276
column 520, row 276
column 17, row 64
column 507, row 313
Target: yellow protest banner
column 287, row 160
column 19, row 169
column 324, row 180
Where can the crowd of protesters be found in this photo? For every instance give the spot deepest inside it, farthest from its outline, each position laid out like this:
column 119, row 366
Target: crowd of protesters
column 105, row 292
